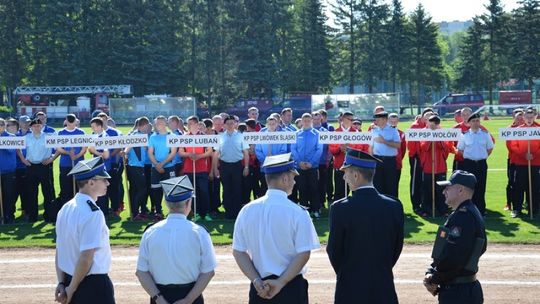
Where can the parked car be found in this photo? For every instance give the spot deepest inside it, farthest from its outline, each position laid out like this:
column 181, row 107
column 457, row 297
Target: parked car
column 453, row 102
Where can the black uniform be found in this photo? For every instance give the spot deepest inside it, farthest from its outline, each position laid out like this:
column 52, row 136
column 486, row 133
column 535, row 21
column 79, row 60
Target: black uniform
column 366, row 239
column 457, row 249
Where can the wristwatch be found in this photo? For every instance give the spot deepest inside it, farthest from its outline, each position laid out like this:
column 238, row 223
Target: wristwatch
column 154, row 298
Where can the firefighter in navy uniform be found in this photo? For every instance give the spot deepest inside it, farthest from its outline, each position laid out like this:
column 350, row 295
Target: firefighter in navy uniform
column 363, row 263
column 458, row 246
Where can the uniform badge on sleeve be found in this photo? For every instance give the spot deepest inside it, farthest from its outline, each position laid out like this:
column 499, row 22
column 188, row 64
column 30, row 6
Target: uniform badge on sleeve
column 455, row 232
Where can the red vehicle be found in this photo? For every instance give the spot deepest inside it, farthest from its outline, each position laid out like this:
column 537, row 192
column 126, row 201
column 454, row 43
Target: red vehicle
column 514, row 99
column 57, row 102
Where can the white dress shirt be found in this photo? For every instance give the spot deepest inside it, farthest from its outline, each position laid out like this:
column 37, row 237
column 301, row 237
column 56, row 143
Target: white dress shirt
column 475, row 145
column 78, row 228
column 273, row 231
column 176, row 251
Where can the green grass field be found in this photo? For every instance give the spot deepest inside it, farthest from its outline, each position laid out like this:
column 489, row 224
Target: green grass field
column 501, row 228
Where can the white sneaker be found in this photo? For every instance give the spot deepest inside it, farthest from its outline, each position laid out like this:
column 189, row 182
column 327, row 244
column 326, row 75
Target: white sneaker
column 316, row 215
column 514, row 214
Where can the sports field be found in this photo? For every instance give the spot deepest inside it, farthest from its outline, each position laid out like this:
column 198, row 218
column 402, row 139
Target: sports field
column 501, row 228
column 508, row 275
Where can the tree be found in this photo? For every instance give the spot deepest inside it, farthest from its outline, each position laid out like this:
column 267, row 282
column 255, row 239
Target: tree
column 312, row 56
column 471, row 67
column 398, row 45
column 426, row 61
column 526, row 41
column 374, row 55
column 347, row 14
column 495, row 24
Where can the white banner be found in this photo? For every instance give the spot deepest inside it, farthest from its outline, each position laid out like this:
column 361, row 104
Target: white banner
column 345, row 137
column 519, row 133
column 123, row 141
column 433, row 135
column 67, row 141
column 192, row 140
column 12, row 142
column 253, row 138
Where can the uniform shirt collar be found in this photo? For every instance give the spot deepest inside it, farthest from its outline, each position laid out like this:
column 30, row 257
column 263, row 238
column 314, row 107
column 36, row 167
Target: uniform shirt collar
column 176, row 216
column 84, row 197
column 276, row 192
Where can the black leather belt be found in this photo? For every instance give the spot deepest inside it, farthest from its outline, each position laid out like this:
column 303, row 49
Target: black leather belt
column 463, row 280
column 174, row 286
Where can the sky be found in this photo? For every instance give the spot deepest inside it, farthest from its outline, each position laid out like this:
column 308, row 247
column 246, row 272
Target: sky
column 451, row 10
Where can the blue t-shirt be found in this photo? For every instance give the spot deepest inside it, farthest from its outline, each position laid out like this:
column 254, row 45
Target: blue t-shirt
column 20, row 164
column 161, row 151
column 8, row 157
column 137, row 156
column 108, row 161
column 65, row 160
column 177, row 159
column 114, row 132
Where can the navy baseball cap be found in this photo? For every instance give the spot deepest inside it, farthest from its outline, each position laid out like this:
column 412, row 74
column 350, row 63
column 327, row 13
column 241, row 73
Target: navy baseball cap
column 460, row 177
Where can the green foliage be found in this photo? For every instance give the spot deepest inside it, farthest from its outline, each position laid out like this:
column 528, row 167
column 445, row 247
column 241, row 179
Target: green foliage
column 426, row 61
column 526, row 41
column 471, row 66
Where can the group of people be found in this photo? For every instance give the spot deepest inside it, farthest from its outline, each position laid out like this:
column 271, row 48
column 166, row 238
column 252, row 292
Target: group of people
column 229, row 175
column 177, row 260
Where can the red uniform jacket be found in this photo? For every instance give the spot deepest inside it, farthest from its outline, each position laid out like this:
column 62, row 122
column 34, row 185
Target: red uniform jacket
column 519, row 148
column 339, row 156
column 442, row 149
column 511, row 155
column 414, row 146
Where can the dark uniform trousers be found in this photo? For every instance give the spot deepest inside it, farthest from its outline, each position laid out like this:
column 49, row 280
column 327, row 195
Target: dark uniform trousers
column 465, row 293
column 427, row 202
column 8, row 203
column 202, row 199
column 148, row 182
column 173, row 293
column 94, row 288
column 214, row 187
column 416, row 182
column 521, row 187
column 479, row 169
column 330, row 183
column 307, row 183
column 114, row 190
column 339, row 185
column 250, row 184
column 38, row 174
column 510, row 174
column 66, row 185
column 323, row 181
column 231, row 178
column 137, row 189
column 21, row 182
column 295, row 292
column 385, row 176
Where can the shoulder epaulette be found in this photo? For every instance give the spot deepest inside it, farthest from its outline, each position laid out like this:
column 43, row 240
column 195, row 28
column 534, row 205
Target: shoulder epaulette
column 93, row 207
column 462, row 209
column 149, row 225
column 303, row 207
column 341, row 200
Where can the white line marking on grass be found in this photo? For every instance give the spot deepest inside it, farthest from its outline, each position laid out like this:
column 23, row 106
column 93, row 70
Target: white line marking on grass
column 246, row 282
column 228, row 257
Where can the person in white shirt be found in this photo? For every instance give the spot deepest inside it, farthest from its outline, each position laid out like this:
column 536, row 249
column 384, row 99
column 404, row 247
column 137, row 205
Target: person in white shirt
column 276, row 265
column 176, row 256
column 83, row 251
column 476, row 145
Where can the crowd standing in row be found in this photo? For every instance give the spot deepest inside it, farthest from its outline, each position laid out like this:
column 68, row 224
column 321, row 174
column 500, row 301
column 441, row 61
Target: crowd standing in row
column 234, row 168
